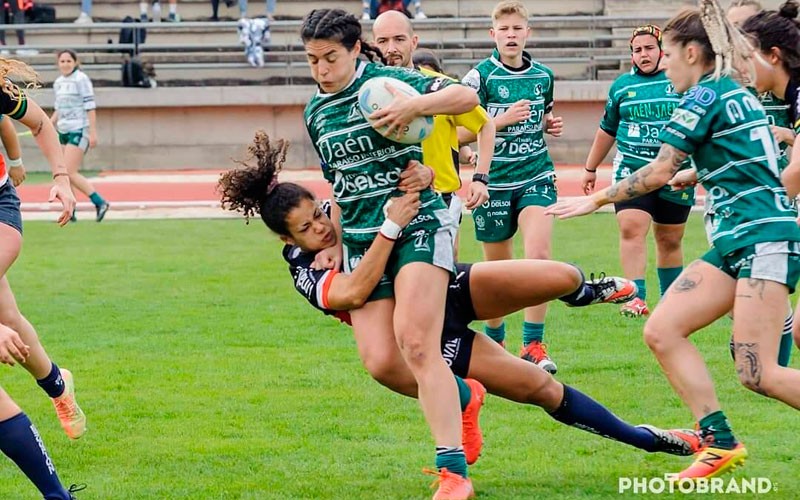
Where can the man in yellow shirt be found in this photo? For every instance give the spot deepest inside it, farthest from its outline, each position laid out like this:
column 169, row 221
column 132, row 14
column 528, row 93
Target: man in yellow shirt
column 394, row 36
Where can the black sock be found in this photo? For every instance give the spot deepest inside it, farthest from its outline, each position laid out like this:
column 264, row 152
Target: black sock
column 581, row 411
column 20, row 441
column 53, row 383
column 582, row 296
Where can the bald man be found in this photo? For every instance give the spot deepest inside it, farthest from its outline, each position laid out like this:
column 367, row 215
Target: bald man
column 395, row 38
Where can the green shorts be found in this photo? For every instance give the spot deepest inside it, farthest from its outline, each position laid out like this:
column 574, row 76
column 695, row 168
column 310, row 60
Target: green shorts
column 777, row 261
column 78, row 139
column 496, row 219
column 428, row 238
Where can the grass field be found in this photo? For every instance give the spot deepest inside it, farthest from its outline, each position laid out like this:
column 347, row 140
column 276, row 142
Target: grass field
column 204, row 375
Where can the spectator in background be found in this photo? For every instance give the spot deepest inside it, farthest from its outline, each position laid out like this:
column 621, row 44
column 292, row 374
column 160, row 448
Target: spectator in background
column 373, row 8
column 16, row 14
column 173, row 11
column 242, row 9
column 86, row 13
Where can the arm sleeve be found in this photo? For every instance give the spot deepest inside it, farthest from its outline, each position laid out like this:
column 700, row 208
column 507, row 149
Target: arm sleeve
column 15, row 106
column 610, row 121
column 87, row 92
column 474, row 81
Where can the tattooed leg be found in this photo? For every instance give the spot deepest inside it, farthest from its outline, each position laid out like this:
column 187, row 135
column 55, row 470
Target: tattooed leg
column 759, row 312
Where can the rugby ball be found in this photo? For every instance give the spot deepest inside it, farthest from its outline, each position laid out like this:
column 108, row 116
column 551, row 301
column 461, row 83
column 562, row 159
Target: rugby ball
column 373, row 95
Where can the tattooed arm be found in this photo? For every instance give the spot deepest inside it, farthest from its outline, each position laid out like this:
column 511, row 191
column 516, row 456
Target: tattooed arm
column 649, row 178
column 655, row 175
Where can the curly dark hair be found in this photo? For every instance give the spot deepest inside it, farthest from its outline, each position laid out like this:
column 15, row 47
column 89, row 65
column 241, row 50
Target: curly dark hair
column 778, row 29
column 254, row 188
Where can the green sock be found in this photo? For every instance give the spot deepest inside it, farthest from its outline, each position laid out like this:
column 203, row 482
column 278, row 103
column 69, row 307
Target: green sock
column 452, row 459
column 532, row 332
column 464, row 392
column 642, row 293
column 497, row 334
column 96, row 199
column 666, row 275
column 785, row 350
column 717, row 425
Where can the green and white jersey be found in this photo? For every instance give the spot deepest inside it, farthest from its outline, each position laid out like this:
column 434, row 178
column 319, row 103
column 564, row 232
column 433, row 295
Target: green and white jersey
column 778, row 115
column 637, row 108
column 520, row 152
column 74, row 99
column 363, row 166
column 725, row 129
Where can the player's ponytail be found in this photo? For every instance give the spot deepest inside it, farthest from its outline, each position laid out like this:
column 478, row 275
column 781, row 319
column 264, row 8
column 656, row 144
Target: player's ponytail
column 254, row 189
column 778, row 29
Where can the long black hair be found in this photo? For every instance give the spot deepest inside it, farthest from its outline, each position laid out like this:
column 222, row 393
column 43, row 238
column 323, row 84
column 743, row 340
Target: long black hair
column 339, row 26
column 254, row 188
column 778, row 29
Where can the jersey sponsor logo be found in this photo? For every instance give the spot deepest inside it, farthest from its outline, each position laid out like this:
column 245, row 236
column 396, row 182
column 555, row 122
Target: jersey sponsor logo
column 670, row 89
column 355, row 114
column 685, row 118
column 631, row 93
column 519, row 148
column 450, row 351
column 472, row 79
column 353, row 262
column 438, row 84
column 675, row 132
column 304, row 282
column 332, row 149
column 651, row 111
column 480, row 222
column 503, row 91
column 421, row 241
column 633, row 130
column 702, row 95
column 360, row 182
column 419, row 219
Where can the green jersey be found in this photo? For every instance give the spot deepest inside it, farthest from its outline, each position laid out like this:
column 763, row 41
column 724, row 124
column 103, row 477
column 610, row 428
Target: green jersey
column 637, row 108
column 725, row 129
column 778, row 115
column 520, row 152
column 363, row 166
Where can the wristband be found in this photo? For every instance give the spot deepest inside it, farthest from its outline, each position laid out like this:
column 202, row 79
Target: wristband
column 15, row 163
column 390, row 230
column 590, row 171
column 482, row 178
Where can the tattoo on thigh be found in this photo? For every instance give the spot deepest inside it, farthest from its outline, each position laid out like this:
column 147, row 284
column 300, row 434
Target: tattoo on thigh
column 35, row 131
column 748, row 365
column 757, row 286
column 687, row 282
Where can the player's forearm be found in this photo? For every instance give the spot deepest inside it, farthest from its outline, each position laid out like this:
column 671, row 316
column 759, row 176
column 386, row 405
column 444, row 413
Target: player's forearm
column 600, row 147
column 357, row 287
column 92, row 115
column 791, row 179
column 451, row 100
column 8, row 135
column 653, row 176
column 45, row 134
column 486, row 137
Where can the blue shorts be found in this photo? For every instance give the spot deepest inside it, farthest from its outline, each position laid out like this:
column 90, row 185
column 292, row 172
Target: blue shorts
column 10, row 213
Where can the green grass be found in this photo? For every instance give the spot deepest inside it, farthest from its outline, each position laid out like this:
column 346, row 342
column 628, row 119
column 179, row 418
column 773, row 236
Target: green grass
column 204, row 375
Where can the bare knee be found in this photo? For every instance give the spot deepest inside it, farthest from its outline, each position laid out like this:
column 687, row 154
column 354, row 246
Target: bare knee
column 658, row 337
column 415, row 351
column 669, row 242
column 543, row 391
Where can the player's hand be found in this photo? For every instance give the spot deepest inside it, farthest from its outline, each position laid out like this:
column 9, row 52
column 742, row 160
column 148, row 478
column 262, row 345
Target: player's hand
column 518, row 112
column 61, row 191
column 466, row 156
column 783, row 135
column 683, row 179
column 477, row 195
column 17, row 175
column 403, row 209
column 396, row 116
column 416, row 177
column 588, row 181
column 12, row 348
column 328, row 258
column 554, row 125
column 92, row 139
column 573, row 207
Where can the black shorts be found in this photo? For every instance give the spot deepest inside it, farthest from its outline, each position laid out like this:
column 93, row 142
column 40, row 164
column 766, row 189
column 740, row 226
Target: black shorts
column 457, row 338
column 662, row 211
